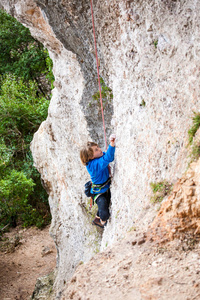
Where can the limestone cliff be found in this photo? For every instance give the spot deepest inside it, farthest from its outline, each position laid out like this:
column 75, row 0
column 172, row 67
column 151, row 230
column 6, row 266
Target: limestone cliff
column 149, row 57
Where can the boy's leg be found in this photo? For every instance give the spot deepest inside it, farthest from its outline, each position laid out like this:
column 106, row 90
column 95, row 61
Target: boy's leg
column 108, row 196
column 103, row 202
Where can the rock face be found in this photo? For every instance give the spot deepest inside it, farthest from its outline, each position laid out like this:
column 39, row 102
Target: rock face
column 180, row 212
column 149, row 56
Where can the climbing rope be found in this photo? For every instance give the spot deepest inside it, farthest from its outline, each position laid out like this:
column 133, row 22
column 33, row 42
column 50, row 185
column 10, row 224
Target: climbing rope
column 97, row 61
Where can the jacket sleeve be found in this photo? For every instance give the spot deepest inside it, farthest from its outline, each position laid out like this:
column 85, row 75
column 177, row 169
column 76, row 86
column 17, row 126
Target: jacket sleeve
column 101, row 163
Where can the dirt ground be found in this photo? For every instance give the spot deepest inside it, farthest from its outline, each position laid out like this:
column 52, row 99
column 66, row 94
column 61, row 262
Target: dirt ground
column 25, row 255
column 135, row 269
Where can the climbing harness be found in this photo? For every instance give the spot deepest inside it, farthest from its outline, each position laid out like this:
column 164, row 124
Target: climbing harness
column 97, row 62
column 96, row 188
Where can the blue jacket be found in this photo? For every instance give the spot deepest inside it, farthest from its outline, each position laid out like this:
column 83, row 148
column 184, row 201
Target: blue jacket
column 98, row 169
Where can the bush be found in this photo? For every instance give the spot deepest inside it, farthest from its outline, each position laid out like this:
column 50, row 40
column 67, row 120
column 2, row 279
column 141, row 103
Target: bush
column 196, row 124
column 22, row 197
column 106, row 94
column 160, row 190
column 14, row 191
column 22, row 55
column 25, row 85
column 195, row 151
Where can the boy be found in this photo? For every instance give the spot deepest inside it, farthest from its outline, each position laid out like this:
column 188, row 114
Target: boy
column 97, row 163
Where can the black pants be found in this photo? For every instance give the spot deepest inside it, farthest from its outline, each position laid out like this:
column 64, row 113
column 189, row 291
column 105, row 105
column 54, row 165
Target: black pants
column 103, row 203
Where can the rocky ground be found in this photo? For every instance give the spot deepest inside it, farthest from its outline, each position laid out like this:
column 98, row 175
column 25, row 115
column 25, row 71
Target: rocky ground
column 25, row 255
column 135, row 269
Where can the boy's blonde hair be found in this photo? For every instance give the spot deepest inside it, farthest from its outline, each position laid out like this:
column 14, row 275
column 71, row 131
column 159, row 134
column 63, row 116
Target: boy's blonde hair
column 87, row 153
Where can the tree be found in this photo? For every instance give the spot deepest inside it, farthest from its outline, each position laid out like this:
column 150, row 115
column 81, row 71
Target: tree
column 25, row 84
column 22, row 55
column 21, row 192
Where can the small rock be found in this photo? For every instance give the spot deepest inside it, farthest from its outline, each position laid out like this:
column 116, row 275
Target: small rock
column 158, row 281
column 134, row 243
column 189, row 191
column 141, row 241
column 189, row 182
column 46, row 251
column 177, row 187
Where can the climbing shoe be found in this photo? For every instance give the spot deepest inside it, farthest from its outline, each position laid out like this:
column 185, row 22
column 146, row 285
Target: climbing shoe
column 97, row 222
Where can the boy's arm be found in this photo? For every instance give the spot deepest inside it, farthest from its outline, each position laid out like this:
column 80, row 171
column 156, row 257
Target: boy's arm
column 98, row 164
column 102, row 162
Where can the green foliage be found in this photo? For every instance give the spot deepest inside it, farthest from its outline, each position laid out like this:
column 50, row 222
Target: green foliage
column 22, row 55
column 155, row 43
column 14, row 191
column 160, row 190
column 117, row 214
column 21, row 113
column 106, row 94
column 49, row 67
column 143, row 103
column 196, row 124
column 195, row 151
column 25, row 80
column 22, row 196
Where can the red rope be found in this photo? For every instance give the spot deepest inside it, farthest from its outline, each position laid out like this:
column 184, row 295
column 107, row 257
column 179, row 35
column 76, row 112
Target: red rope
column 98, row 74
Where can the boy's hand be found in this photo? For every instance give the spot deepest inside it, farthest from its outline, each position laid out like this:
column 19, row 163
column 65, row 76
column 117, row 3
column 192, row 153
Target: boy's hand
column 112, row 140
